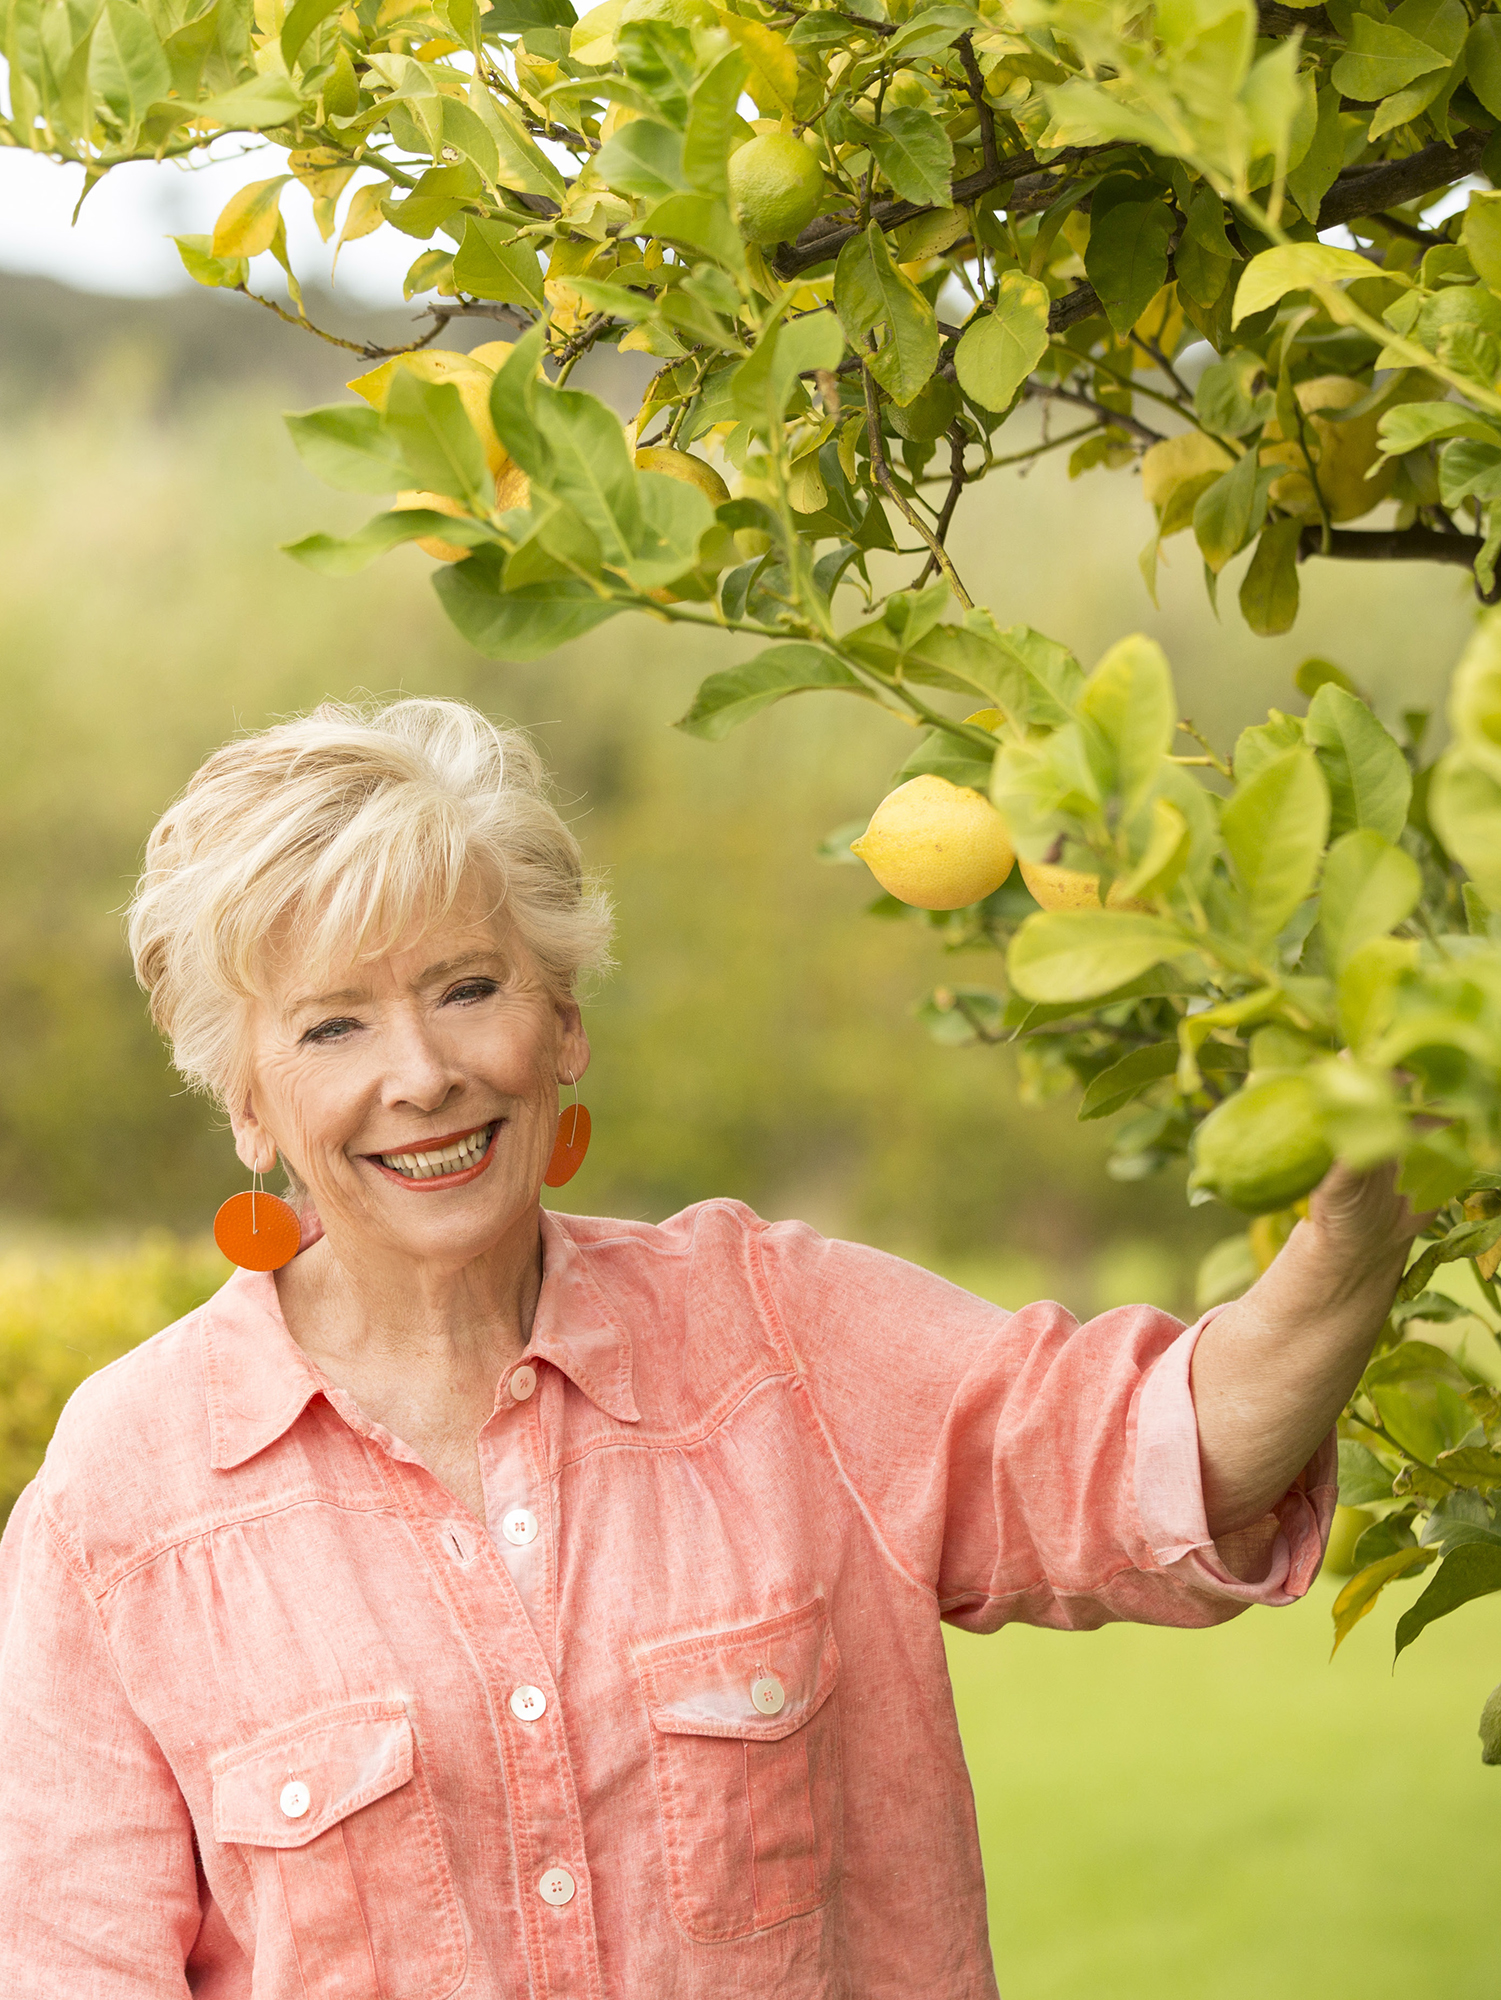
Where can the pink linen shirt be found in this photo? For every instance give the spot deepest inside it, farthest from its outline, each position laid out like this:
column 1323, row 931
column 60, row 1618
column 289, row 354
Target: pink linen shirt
column 280, row 1720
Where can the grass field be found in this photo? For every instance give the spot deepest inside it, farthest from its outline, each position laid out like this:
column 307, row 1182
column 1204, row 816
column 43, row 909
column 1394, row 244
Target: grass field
column 1225, row 1815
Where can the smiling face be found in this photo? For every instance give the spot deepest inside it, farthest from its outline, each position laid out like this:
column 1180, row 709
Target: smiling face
column 415, row 1094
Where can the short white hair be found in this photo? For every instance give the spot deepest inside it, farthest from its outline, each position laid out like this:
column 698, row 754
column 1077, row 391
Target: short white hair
column 348, row 826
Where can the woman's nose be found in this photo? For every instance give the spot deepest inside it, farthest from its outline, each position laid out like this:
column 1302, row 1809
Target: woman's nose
column 419, row 1070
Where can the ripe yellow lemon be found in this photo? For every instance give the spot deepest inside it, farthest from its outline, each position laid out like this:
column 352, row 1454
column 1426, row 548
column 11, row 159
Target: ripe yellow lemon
column 935, row 845
column 440, row 503
column 1058, row 888
column 683, row 465
column 776, row 185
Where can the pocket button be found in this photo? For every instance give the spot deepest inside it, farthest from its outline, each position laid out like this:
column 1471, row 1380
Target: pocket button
column 557, row 1887
column 768, row 1695
column 295, row 1799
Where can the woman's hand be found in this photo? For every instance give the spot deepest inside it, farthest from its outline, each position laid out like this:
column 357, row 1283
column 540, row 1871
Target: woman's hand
column 1272, row 1371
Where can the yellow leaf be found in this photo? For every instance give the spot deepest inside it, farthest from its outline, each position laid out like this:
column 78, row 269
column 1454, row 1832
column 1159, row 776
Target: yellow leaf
column 364, row 215
column 1360, row 1593
column 247, row 222
column 1187, row 456
column 773, row 77
column 593, row 38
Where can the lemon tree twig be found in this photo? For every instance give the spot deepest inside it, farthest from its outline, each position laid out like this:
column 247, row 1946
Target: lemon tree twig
column 881, row 473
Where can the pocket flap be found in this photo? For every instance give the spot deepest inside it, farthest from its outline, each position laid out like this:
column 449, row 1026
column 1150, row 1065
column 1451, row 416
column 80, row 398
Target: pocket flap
column 293, row 1783
column 702, row 1686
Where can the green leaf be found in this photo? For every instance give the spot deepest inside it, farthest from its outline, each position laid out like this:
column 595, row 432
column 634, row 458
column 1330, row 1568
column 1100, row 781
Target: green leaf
column 348, row 445
column 128, row 66
column 1472, row 1570
column 1359, row 1595
column 1369, row 782
column 1464, row 807
column 728, row 699
column 1481, row 235
column 1468, row 1239
column 493, row 263
column 301, row 20
column 1227, row 514
column 763, row 382
column 1293, row 267
column 589, row 467
column 1127, row 1078
column 204, row 268
column 428, row 425
column 675, row 517
column 522, row 165
column 915, row 154
column 1269, row 588
column 1064, row 955
column 941, row 755
column 1274, row 829
column 513, row 396
column 258, row 105
column 643, row 158
column 1381, row 58
column 701, row 223
column 1318, row 170
column 1369, row 888
column 1259, row 745
column 1126, row 258
column 999, row 349
column 1483, row 62
column 1410, row 425
column 1362, row 1476
column 711, row 122
column 520, row 624
column 1131, row 701
column 871, row 293
column 335, row 557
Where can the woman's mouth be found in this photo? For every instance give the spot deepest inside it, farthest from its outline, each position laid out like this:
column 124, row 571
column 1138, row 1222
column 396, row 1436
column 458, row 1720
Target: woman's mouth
column 441, row 1162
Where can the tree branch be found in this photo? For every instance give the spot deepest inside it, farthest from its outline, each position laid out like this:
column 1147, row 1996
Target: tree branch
column 1051, row 393
column 974, row 83
column 1368, row 190
column 957, row 480
column 1397, row 545
column 881, row 473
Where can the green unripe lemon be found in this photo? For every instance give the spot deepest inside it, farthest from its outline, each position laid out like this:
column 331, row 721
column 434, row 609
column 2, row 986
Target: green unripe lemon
column 1263, row 1148
column 776, row 185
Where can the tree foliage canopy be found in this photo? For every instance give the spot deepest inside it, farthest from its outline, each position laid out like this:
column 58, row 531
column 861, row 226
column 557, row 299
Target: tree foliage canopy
column 1128, row 211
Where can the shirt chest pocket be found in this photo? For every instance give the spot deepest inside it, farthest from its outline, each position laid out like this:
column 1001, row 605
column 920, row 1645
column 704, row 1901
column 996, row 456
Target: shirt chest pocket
column 745, row 1742
column 353, row 1893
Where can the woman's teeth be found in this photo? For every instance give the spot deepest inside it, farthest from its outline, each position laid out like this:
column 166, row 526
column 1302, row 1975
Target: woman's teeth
column 436, row 1160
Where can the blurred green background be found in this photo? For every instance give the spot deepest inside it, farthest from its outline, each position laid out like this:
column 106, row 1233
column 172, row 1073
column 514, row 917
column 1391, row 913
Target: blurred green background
column 1185, row 1816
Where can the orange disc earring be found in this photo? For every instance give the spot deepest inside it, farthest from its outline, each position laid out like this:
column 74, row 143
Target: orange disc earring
column 256, row 1230
column 571, row 1143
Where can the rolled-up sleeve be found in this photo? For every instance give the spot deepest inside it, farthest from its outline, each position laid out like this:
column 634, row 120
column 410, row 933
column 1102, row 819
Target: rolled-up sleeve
column 1023, row 1466
column 97, row 1869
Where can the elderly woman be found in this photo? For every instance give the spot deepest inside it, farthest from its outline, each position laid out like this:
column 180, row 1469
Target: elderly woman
column 500, row 1603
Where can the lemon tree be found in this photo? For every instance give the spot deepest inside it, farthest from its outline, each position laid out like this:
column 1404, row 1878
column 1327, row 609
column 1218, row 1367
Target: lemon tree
column 1250, row 250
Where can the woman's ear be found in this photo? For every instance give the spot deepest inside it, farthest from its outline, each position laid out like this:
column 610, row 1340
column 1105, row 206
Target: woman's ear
column 573, row 1043
column 253, row 1143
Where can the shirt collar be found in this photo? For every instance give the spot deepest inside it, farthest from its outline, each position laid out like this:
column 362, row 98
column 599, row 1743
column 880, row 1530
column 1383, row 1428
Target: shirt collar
column 258, row 1380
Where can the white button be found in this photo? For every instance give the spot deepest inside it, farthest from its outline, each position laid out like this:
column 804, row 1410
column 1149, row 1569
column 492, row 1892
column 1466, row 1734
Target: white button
column 527, row 1703
column 519, row 1527
column 523, row 1382
column 768, row 1695
column 557, row 1887
column 295, row 1799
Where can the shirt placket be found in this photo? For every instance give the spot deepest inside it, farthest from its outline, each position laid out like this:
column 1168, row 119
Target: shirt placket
column 506, row 1615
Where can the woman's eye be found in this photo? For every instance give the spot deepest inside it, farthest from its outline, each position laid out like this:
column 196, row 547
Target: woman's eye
column 330, row 1031
column 471, row 989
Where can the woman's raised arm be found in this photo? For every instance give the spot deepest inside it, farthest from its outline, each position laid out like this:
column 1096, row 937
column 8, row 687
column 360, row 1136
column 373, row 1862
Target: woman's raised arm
column 1272, row 1371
